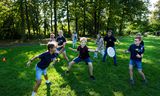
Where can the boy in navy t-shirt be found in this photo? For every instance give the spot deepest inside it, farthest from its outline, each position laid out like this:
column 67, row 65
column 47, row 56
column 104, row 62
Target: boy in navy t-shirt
column 45, row 59
column 83, row 56
column 136, row 53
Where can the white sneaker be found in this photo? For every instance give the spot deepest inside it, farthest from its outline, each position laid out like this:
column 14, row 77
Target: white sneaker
column 33, row 93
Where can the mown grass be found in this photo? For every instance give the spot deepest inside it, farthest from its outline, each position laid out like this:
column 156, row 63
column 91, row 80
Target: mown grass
column 18, row 80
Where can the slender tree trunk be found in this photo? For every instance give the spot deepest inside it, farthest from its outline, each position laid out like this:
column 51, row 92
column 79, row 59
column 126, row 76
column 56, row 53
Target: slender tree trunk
column 76, row 18
column 51, row 2
column 84, row 17
column 55, row 17
column 121, row 24
column 27, row 19
column 95, row 17
column 68, row 19
column 22, row 29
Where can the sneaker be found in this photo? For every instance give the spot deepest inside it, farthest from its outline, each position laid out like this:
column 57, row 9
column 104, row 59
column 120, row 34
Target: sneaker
column 92, row 78
column 132, row 82
column 67, row 72
column 33, row 93
column 144, row 81
column 48, row 83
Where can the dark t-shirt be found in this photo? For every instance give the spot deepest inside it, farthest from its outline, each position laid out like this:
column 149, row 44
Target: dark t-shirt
column 142, row 43
column 46, row 59
column 134, row 50
column 110, row 41
column 60, row 40
column 83, row 52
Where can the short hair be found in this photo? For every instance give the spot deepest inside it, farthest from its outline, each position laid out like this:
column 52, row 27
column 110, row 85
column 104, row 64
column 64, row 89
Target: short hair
column 139, row 38
column 52, row 34
column 110, row 31
column 60, row 31
column 51, row 44
column 138, row 35
column 83, row 39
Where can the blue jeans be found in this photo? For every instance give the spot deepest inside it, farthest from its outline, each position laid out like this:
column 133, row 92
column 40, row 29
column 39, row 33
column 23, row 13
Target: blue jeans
column 105, row 55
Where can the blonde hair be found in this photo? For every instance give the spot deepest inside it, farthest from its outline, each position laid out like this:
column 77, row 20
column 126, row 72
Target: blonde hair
column 83, row 39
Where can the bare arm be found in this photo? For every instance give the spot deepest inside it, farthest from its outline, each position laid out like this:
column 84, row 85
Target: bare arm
column 29, row 62
column 75, row 50
column 91, row 50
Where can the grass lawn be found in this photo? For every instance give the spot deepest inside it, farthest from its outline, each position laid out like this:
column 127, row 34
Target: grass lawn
column 18, row 80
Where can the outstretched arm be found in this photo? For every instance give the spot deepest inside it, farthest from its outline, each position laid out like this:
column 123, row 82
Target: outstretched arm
column 75, row 50
column 91, row 50
column 29, row 62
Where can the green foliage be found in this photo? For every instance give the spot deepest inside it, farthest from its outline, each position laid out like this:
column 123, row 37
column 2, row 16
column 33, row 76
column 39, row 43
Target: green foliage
column 18, row 80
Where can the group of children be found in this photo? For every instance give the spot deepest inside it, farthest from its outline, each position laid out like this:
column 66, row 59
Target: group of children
column 57, row 46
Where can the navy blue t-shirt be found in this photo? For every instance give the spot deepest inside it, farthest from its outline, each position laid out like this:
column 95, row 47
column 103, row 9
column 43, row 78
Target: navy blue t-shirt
column 134, row 50
column 46, row 59
column 110, row 41
column 83, row 52
column 60, row 40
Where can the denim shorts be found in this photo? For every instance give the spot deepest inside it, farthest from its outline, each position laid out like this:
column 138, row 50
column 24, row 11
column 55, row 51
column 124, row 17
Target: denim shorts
column 39, row 72
column 78, row 59
column 136, row 63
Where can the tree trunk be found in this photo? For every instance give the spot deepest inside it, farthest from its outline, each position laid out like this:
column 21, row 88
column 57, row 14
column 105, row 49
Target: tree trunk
column 84, row 17
column 55, row 17
column 121, row 24
column 68, row 19
column 76, row 18
column 27, row 19
column 51, row 15
column 22, row 29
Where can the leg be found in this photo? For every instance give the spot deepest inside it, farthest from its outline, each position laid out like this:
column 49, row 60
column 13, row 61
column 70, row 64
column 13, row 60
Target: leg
column 38, row 83
column 65, row 56
column 38, row 80
column 105, row 54
column 114, row 58
column 70, row 65
column 139, row 66
column 142, row 74
column 90, row 66
column 131, row 71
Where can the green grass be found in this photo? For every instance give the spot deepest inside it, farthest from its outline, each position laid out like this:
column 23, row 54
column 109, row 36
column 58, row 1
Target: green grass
column 18, row 80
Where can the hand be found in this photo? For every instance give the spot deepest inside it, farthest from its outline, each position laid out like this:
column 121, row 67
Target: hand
column 70, row 48
column 126, row 51
column 28, row 63
column 138, row 56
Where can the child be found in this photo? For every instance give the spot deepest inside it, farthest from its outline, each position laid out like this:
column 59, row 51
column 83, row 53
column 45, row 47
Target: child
column 83, row 56
column 61, row 44
column 139, row 35
column 100, row 46
column 110, row 39
column 45, row 59
column 52, row 37
column 74, row 39
column 136, row 52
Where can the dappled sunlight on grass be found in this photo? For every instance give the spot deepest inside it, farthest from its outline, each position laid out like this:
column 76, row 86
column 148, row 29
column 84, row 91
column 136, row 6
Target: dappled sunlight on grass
column 3, row 52
column 118, row 93
column 110, row 80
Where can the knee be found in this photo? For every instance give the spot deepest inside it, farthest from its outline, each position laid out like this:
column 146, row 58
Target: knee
column 38, row 82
